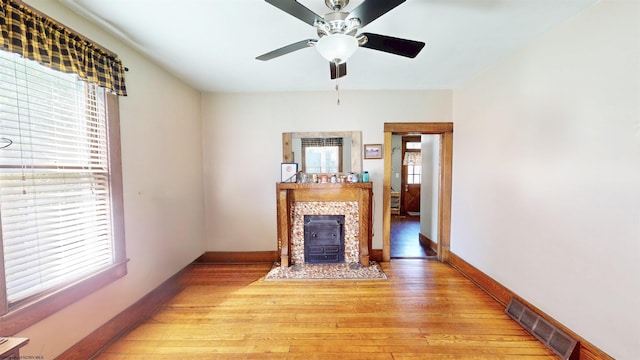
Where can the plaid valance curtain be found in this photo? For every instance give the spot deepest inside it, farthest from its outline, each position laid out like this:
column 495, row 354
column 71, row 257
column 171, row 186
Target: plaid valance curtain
column 321, row 142
column 412, row 158
column 36, row 37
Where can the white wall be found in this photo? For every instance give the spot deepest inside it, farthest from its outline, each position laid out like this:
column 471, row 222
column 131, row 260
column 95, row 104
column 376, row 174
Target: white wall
column 163, row 191
column 429, row 188
column 243, row 151
column 546, row 175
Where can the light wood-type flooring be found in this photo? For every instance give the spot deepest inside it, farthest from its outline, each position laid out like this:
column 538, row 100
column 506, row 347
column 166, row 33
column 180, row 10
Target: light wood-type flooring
column 405, row 238
column 425, row 310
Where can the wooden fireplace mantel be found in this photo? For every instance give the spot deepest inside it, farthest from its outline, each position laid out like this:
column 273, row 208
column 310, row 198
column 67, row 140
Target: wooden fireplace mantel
column 287, row 194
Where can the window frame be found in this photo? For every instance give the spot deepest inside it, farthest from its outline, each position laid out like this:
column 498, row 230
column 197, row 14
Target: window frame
column 304, row 158
column 323, row 145
column 412, row 174
column 30, row 312
column 411, row 144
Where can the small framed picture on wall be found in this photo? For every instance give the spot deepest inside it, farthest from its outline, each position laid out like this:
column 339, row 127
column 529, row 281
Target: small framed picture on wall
column 373, row 151
column 288, row 172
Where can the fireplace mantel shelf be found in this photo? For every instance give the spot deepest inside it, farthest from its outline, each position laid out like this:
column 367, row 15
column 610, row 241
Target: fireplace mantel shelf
column 358, row 185
column 287, row 194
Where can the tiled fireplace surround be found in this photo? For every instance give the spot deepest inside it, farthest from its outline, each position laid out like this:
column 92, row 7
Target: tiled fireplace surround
column 351, row 200
column 350, row 211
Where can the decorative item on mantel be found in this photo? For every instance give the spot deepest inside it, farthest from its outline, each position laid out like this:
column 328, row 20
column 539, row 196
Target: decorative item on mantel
column 290, row 176
column 288, row 172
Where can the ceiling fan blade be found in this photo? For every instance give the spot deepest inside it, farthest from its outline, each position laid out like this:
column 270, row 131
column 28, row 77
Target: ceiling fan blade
column 370, row 10
column 397, row 46
column 294, row 8
column 286, row 49
column 338, row 71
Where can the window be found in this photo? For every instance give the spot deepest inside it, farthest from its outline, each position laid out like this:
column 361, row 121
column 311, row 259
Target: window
column 413, row 161
column 322, row 155
column 413, row 174
column 60, row 187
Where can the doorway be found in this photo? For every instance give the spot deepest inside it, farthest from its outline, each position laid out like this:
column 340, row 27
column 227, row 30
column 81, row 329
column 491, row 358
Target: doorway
column 443, row 208
column 414, row 180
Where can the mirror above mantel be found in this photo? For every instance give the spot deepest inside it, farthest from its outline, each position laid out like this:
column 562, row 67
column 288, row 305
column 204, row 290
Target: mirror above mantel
column 350, row 154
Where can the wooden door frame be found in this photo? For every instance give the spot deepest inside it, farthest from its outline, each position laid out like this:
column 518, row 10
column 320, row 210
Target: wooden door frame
column 445, row 130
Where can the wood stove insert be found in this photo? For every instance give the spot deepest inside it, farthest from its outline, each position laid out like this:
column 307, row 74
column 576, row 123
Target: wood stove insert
column 324, row 239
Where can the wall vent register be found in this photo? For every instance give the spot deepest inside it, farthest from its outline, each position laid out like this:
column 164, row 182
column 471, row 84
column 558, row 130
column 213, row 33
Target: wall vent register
column 552, row 337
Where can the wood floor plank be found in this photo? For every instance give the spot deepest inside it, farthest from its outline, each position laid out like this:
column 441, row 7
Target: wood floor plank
column 425, row 310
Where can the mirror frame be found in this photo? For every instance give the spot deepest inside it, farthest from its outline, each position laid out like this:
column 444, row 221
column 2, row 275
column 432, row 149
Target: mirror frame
column 356, row 145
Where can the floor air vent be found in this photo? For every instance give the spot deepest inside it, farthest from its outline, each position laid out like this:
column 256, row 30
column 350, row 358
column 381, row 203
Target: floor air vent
column 555, row 339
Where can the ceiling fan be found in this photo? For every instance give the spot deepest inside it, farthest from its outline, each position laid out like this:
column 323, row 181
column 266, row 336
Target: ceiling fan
column 337, row 32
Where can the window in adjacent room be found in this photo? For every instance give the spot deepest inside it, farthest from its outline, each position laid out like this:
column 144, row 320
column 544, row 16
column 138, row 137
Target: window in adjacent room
column 413, row 161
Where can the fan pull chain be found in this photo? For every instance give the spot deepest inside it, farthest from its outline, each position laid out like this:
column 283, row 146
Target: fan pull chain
column 338, row 90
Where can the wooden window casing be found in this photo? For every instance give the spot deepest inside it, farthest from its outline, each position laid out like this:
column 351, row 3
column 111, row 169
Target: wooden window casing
column 18, row 315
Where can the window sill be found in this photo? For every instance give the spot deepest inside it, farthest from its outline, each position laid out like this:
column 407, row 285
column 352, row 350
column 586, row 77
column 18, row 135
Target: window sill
column 25, row 315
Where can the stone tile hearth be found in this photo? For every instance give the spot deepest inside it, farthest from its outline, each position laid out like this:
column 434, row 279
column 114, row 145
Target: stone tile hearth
column 327, row 272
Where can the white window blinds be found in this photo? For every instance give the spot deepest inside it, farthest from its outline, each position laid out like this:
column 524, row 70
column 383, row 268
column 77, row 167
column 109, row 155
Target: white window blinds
column 54, row 179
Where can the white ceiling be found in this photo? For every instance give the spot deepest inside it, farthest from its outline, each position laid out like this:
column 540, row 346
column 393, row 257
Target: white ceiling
column 212, row 44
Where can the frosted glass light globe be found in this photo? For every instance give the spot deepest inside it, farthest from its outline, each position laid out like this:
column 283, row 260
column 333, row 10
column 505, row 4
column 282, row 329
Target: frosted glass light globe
column 337, row 48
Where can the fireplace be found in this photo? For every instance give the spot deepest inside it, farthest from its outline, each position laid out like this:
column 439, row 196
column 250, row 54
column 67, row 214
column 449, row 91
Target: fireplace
column 323, row 239
column 351, row 200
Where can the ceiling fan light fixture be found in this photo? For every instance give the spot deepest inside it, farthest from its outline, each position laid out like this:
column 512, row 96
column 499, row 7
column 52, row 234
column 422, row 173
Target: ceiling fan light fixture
column 337, row 48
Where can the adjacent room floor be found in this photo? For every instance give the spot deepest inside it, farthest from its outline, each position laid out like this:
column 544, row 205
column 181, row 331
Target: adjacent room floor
column 405, row 238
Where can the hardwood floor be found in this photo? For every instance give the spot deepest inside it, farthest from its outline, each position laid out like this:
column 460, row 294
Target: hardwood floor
column 405, row 241
column 425, row 310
